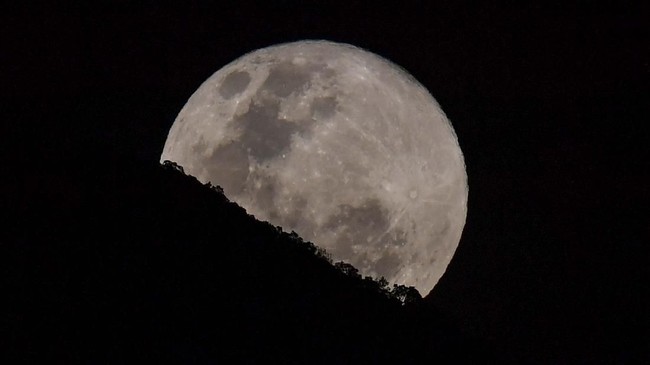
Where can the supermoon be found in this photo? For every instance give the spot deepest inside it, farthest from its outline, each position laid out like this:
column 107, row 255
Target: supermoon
column 337, row 144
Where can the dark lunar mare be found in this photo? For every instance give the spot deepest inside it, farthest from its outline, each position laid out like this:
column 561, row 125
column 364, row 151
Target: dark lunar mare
column 361, row 225
column 263, row 135
column 235, row 83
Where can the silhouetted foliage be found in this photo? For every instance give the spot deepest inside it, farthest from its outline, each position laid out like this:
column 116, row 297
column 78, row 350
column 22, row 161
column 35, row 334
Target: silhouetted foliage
column 347, row 269
column 322, row 253
column 153, row 266
column 173, row 166
column 383, row 283
column 216, row 188
column 406, row 294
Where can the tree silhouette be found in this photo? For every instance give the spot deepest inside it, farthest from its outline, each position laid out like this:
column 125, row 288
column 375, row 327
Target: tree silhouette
column 173, row 166
column 347, row 269
column 405, row 294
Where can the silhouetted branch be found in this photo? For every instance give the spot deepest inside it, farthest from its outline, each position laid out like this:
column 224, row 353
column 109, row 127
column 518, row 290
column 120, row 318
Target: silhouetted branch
column 173, row 165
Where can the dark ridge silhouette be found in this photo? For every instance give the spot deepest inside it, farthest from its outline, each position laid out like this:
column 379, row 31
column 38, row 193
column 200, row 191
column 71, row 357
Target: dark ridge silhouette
column 135, row 262
column 403, row 294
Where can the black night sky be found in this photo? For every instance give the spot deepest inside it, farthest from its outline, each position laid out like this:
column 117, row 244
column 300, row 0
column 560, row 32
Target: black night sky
column 549, row 104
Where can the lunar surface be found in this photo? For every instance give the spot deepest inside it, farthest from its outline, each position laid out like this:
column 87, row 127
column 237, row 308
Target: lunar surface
column 337, row 144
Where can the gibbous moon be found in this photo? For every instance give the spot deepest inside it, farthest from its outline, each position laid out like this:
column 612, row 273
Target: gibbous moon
column 337, row 144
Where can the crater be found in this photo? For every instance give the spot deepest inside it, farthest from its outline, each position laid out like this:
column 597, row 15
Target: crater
column 235, row 83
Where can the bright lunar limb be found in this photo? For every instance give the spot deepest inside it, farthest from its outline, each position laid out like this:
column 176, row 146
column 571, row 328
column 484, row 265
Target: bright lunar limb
column 337, row 144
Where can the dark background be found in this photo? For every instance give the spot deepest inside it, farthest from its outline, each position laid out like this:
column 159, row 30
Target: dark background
column 549, row 104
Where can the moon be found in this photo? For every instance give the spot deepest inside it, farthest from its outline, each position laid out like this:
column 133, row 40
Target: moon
column 337, row 144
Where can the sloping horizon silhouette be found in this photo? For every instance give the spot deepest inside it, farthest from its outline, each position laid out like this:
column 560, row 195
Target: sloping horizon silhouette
column 152, row 265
